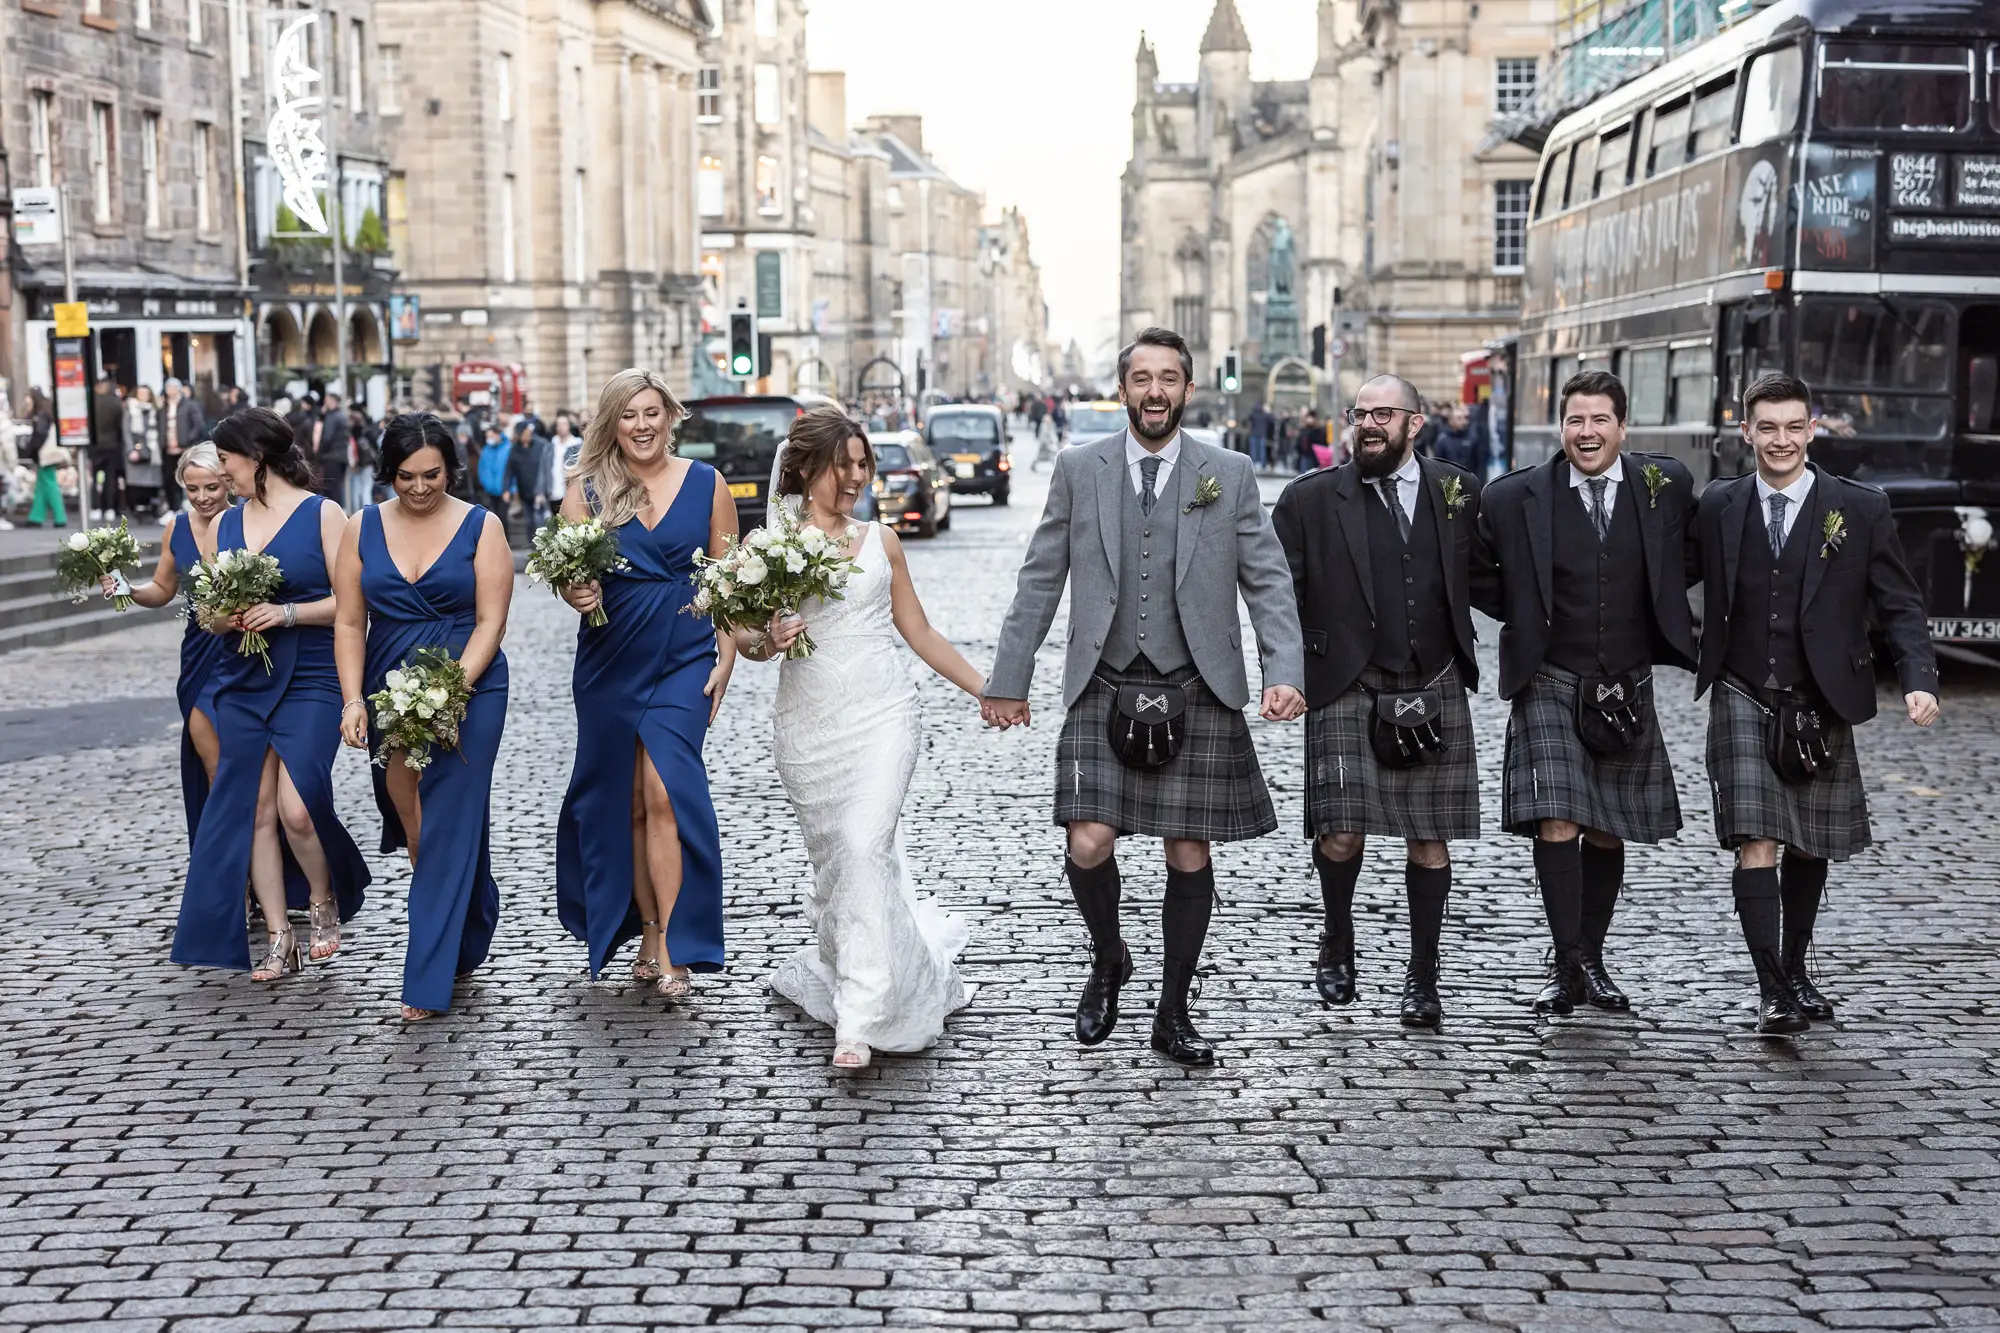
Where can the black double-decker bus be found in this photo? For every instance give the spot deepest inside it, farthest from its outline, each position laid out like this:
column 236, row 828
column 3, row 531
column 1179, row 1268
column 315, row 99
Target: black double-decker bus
column 1816, row 190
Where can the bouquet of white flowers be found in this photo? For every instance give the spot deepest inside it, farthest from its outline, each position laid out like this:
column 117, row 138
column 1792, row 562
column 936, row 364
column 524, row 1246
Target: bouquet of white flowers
column 565, row 554
column 774, row 568
column 234, row 582
column 421, row 706
column 86, row 557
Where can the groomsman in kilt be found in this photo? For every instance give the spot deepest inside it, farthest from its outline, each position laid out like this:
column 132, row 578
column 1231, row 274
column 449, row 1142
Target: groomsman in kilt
column 1380, row 549
column 1584, row 561
column 1795, row 563
column 1154, row 534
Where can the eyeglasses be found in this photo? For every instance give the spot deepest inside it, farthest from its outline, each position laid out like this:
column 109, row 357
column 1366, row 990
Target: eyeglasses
column 1381, row 416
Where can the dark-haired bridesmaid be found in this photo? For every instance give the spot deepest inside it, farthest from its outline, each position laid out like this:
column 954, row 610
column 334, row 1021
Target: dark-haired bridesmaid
column 427, row 570
column 188, row 540
column 270, row 816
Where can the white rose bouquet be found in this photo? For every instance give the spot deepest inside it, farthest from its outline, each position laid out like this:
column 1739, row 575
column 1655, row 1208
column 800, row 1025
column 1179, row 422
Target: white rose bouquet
column 565, row 554
column 773, row 569
column 85, row 558
column 234, row 582
column 421, row 706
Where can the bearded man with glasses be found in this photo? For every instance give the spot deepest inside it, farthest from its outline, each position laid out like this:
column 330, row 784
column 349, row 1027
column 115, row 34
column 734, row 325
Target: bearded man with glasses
column 1585, row 560
column 1389, row 746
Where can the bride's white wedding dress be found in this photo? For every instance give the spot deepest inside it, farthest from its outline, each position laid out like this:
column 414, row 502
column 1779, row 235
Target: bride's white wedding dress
column 846, row 737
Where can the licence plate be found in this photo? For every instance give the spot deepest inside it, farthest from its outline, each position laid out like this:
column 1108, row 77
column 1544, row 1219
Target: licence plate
column 742, row 490
column 965, row 458
column 965, row 469
column 1959, row 628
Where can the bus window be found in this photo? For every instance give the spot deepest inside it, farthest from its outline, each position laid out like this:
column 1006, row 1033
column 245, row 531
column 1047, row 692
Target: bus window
column 1569, row 195
column 1559, row 372
column 1714, row 112
column 1555, row 178
column 1614, row 154
column 1771, row 95
column 1670, row 134
column 1646, row 385
column 1885, row 86
column 1692, row 372
column 1868, row 344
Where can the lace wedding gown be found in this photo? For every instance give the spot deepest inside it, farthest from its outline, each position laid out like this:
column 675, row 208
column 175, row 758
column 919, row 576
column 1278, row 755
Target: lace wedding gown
column 846, row 737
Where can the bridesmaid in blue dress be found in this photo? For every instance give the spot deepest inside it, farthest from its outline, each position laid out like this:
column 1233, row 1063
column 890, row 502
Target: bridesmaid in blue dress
column 188, row 540
column 270, row 816
column 636, row 846
column 427, row 570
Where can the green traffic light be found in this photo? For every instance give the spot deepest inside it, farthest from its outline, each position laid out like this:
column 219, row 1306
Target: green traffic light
column 741, row 365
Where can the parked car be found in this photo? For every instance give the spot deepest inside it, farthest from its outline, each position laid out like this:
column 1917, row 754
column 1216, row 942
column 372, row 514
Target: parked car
column 912, row 490
column 971, row 440
column 1094, row 421
column 740, row 436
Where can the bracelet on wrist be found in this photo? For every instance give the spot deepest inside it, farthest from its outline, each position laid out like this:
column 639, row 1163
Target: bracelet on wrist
column 352, row 703
column 291, row 615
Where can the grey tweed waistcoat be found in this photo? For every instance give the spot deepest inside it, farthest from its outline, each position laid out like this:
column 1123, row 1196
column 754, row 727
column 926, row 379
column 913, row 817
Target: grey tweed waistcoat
column 1148, row 620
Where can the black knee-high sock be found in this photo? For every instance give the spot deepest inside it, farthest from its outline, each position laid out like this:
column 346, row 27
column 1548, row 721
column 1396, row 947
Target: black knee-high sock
column 1096, row 891
column 1559, row 867
column 1603, row 875
column 1757, row 908
column 1336, row 891
column 1800, row 886
column 1427, row 891
column 1183, row 927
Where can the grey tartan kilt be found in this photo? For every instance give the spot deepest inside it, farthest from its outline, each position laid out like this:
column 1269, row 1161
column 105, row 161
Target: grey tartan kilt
column 1552, row 775
column 1212, row 791
column 1826, row 817
column 1348, row 790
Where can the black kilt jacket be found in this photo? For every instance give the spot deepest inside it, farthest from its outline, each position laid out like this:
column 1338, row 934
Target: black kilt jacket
column 1322, row 524
column 1513, row 565
column 1844, row 589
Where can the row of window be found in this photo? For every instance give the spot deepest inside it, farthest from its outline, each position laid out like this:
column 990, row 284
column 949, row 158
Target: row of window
column 1664, row 385
column 44, row 140
column 709, row 197
column 147, row 15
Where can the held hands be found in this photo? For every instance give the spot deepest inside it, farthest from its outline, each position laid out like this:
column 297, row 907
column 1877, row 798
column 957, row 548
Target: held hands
column 354, row 725
column 583, row 597
column 1923, row 707
column 1004, row 713
column 1282, row 703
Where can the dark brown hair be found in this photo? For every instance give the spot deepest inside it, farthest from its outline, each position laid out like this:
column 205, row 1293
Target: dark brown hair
column 1776, row 387
column 259, row 434
column 1156, row 337
column 1593, row 384
column 817, row 440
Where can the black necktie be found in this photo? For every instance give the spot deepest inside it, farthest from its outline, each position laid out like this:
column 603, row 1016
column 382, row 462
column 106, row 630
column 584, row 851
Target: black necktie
column 1600, row 517
column 1386, row 488
column 1777, row 527
column 1149, row 472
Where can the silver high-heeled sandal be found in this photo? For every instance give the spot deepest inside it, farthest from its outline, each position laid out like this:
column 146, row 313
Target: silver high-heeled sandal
column 324, row 920
column 675, row 987
column 282, row 955
column 851, row 1054
column 646, row 969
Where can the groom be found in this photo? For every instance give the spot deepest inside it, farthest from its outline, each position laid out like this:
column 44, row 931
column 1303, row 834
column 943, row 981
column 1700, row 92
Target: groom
column 1155, row 533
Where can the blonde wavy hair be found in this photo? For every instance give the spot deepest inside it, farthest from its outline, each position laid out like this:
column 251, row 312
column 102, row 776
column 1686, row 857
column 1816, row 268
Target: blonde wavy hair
column 600, row 463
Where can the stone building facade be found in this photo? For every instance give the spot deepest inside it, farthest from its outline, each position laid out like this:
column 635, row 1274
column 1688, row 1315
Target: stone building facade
column 549, row 216
column 128, row 106
column 1360, row 201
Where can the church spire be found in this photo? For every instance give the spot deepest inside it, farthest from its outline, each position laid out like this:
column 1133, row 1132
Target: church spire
column 1225, row 30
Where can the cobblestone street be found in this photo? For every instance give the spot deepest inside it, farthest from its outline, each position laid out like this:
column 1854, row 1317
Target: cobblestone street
column 187, row 1150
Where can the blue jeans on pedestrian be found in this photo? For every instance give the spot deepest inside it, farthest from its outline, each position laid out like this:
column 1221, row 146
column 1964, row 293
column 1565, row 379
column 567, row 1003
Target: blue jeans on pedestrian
column 360, row 489
column 1257, row 448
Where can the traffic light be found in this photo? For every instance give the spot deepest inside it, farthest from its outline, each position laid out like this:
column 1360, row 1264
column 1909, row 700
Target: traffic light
column 1319, row 347
column 742, row 344
column 1231, row 379
column 437, row 384
column 763, row 354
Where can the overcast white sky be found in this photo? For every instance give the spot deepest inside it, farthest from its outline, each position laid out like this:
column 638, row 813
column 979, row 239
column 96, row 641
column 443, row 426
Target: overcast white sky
column 1031, row 101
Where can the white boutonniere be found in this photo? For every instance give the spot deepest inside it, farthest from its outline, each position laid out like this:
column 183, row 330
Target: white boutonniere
column 1453, row 489
column 1206, row 492
column 1656, row 481
column 1832, row 532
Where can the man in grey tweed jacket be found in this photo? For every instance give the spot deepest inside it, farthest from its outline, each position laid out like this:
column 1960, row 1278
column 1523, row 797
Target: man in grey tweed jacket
column 1154, row 534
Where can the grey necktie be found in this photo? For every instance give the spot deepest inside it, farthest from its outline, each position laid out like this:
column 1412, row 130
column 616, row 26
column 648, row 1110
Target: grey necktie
column 1777, row 527
column 1149, row 472
column 1600, row 517
column 1386, row 488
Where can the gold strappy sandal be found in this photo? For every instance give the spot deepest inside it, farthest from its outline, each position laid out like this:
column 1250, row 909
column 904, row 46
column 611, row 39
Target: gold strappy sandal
column 646, row 969
column 324, row 920
column 282, row 956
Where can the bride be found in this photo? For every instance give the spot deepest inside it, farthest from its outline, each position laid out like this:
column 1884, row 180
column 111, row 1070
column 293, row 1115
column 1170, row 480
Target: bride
column 846, row 736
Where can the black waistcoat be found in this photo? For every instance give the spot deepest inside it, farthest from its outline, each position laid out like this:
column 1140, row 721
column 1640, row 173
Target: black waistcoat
column 1412, row 615
column 1602, row 620
column 1764, row 644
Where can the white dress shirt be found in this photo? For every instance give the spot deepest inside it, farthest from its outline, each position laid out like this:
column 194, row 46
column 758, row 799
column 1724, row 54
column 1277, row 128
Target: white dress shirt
column 1134, row 451
column 1409, row 480
column 1796, row 493
column 1615, row 474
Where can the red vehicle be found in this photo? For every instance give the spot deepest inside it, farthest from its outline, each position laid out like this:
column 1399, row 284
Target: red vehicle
column 493, row 385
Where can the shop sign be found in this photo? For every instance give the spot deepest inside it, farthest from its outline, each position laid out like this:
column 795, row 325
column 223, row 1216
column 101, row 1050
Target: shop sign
column 72, row 394
column 37, row 215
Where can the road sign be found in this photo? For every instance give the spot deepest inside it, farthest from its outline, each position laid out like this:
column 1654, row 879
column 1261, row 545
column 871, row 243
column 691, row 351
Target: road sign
column 37, row 216
column 72, row 319
column 1338, row 348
